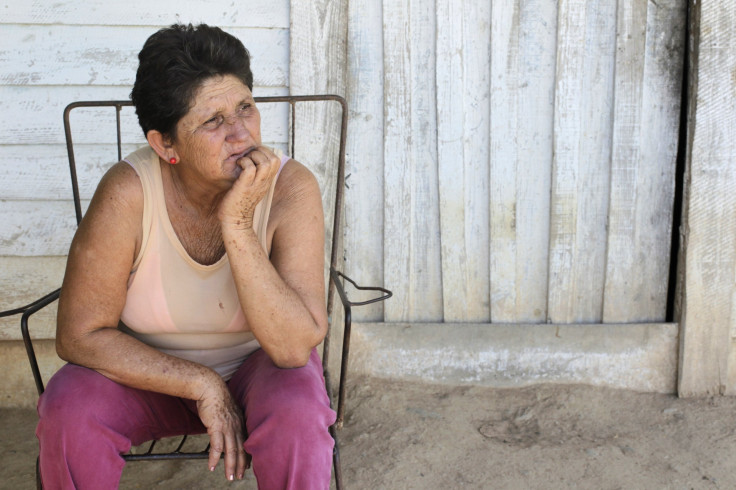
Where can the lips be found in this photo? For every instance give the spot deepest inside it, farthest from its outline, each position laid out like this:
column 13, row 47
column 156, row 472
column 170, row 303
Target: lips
column 238, row 155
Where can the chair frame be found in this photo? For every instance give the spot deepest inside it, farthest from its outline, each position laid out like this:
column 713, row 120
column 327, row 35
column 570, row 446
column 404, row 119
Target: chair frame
column 336, row 280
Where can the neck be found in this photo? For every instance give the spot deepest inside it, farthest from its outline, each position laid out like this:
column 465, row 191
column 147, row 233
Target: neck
column 196, row 198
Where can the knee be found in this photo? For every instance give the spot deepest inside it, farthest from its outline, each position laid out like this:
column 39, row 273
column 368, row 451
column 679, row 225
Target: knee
column 75, row 399
column 297, row 412
column 303, row 413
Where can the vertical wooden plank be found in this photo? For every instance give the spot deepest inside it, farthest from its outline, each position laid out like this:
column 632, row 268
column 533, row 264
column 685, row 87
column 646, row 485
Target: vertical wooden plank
column 463, row 54
column 709, row 218
column 317, row 66
column 582, row 153
column 364, row 172
column 522, row 95
column 646, row 121
column 411, row 233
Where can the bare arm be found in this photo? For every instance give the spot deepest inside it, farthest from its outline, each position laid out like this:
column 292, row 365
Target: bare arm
column 92, row 299
column 283, row 298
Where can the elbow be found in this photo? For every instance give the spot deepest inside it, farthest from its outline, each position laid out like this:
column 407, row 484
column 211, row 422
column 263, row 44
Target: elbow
column 299, row 353
column 292, row 360
column 63, row 350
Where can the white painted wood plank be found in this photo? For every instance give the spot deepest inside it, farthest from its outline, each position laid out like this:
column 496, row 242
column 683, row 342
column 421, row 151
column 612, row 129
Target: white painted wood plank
column 621, row 291
column 36, row 228
column 582, row 153
column 522, row 94
column 709, row 222
column 33, row 116
column 646, row 122
column 42, row 172
column 24, row 280
column 364, row 153
column 463, row 54
column 317, row 66
column 221, row 13
column 412, row 255
column 504, row 159
column 108, row 55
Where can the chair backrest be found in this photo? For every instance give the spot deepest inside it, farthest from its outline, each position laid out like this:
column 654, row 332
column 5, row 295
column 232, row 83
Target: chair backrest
column 95, row 115
column 279, row 119
column 101, row 119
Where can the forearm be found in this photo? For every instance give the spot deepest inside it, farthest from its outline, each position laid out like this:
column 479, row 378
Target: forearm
column 130, row 362
column 275, row 312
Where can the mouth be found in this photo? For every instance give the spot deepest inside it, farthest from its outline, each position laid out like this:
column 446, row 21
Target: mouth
column 238, row 155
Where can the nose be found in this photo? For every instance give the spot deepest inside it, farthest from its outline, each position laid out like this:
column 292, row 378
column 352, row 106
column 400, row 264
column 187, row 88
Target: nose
column 238, row 128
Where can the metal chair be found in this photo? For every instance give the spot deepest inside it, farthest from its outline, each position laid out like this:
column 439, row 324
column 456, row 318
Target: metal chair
column 336, row 279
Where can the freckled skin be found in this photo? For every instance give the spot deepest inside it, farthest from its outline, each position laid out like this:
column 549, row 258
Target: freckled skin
column 211, row 194
column 223, row 120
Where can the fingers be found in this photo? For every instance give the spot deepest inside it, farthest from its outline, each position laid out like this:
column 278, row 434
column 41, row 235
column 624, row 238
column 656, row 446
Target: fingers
column 264, row 158
column 216, row 447
column 231, row 445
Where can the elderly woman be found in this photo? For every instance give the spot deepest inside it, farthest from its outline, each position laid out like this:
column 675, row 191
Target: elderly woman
column 193, row 298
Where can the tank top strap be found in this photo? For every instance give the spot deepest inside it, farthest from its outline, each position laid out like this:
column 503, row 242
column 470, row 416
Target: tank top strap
column 143, row 161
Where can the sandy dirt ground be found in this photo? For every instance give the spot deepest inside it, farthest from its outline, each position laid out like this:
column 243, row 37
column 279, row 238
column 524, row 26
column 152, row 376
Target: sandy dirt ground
column 401, row 435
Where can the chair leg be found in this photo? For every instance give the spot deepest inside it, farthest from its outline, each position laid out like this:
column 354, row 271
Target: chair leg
column 336, row 460
column 39, row 485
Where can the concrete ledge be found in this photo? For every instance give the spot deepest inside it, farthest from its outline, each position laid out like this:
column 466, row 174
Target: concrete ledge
column 641, row 357
column 17, row 388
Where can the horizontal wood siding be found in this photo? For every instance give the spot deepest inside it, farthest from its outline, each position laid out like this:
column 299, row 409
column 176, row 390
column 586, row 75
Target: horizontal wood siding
column 55, row 53
column 507, row 162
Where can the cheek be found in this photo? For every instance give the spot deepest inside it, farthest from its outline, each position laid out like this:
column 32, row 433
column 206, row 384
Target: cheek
column 204, row 149
column 255, row 127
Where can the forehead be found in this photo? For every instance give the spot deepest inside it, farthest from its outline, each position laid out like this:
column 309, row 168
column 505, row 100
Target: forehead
column 219, row 93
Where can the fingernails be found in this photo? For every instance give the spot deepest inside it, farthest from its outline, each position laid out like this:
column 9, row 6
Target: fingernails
column 212, row 468
column 232, row 477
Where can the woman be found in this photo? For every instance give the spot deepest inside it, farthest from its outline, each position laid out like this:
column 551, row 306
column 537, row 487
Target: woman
column 193, row 298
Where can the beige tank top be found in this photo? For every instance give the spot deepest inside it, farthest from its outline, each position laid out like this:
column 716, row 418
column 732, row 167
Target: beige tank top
column 176, row 304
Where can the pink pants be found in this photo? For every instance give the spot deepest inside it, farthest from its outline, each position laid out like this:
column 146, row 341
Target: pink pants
column 87, row 421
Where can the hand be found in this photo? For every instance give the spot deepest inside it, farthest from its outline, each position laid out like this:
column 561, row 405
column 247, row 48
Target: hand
column 260, row 167
column 224, row 422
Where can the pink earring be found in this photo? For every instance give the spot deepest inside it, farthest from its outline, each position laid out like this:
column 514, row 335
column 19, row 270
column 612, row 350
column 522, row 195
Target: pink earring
column 172, row 160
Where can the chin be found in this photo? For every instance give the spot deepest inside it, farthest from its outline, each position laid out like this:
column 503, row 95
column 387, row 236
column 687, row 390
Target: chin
column 234, row 172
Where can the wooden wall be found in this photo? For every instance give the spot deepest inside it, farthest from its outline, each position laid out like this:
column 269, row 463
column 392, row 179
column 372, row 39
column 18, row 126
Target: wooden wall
column 525, row 154
column 508, row 161
column 707, row 288
column 54, row 53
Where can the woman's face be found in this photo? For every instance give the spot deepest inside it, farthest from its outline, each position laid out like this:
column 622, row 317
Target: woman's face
column 222, row 125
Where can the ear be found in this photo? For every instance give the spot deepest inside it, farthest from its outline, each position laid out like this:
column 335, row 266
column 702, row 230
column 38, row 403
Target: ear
column 161, row 145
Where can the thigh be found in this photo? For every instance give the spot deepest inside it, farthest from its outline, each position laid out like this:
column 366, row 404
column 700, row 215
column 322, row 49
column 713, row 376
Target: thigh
column 77, row 397
column 259, row 381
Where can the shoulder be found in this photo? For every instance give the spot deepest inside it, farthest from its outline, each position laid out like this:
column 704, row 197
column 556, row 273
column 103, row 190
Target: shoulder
column 120, row 186
column 295, row 185
column 296, row 197
column 116, row 209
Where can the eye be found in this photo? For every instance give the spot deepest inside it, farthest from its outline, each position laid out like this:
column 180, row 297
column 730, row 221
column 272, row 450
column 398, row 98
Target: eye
column 244, row 107
column 213, row 122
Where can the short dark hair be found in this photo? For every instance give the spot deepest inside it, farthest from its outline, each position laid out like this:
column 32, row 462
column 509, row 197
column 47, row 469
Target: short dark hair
column 173, row 64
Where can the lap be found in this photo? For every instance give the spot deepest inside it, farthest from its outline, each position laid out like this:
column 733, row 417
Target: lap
column 76, row 393
column 77, row 396
column 259, row 380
